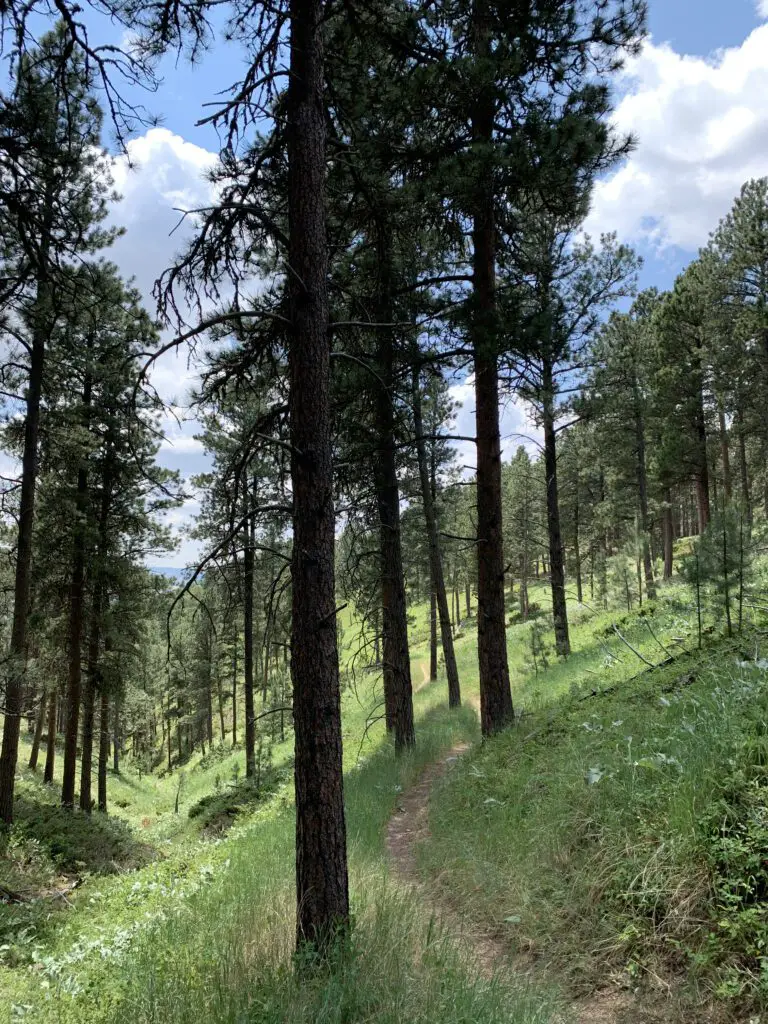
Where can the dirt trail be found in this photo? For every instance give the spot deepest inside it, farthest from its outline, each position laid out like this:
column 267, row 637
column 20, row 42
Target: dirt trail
column 408, row 827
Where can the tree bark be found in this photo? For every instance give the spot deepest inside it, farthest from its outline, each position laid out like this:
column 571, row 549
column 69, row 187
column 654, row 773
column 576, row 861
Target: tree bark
column 642, row 496
column 725, row 452
column 234, row 691
column 576, row 545
column 76, row 601
column 14, row 688
column 432, row 634
column 496, row 710
column 116, row 734
column 50, row 747
column 701, row 475
column 250, row 723
column 435, row 557
column 668, row 529
column 94, row 640
column 39, row 723
column 322, row 889
column 89, row 701
column 101, row 780
column 398, row 693
column 556, row 561
column 746, row 498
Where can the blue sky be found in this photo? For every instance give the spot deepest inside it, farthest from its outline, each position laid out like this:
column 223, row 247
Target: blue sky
column 696, row 100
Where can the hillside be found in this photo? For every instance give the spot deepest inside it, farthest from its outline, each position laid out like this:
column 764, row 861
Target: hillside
column 607, row 843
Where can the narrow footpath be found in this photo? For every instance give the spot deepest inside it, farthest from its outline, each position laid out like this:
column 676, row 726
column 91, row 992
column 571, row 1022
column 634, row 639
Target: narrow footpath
column 409, row 826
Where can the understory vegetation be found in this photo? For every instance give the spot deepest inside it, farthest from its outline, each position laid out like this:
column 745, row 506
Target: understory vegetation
column 614, row 837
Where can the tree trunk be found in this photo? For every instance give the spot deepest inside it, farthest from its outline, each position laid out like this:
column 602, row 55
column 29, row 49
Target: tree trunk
column 92, row 672
column 576, row 546
column 250, row 724
column 101, row 783
column 322, row 889
column 432, row 634
column 89, row 704
column 50, row 747
column 234, row 691
column 702, row 468
column 496, row 710
column 642, row 497
column 746, row 499
column 556, row 561
column 397, row 663
column 116, row 735
column 76, row 601
column 725, row 452
column 220, row 701
column 15, row 680
column 39, row 723
column 435, row 557
column 668, row 530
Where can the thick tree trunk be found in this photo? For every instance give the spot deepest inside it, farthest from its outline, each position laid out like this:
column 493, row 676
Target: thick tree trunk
column 556, row 561
column 321, row 858
column 397, row 663
column 435, row 557
column 39, row 724
column 101, row 783
column 250, row 714
column 496, row 710
column 50, row 747
column 15, row 680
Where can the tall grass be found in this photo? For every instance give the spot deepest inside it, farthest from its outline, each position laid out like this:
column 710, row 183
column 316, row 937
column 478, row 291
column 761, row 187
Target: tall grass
column 222, row 950
column 590, row 837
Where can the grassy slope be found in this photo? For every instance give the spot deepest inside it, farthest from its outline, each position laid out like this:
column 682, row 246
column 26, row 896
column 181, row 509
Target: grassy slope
column 205, row 932
column 623, row 833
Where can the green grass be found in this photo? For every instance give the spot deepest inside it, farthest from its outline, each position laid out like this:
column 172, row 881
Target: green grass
column 622, row 829
column 215, row 943
column 205, row 931
column 592, row 851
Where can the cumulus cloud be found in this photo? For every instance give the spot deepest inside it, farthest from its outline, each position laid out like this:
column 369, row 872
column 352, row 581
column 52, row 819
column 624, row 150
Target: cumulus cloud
column 517, row 426
column 701, row 126
column 161, row 174
column 761, row 6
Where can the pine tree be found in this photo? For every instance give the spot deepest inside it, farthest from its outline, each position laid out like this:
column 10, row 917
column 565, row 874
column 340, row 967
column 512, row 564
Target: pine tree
column 60, row 188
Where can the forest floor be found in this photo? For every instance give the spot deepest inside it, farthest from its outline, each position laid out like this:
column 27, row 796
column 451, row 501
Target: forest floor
column 573, row 869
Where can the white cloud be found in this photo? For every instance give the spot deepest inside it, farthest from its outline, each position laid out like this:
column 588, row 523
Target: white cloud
column 701, row 126
column 761, row 6
column 516, row 426
column 161, row 174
